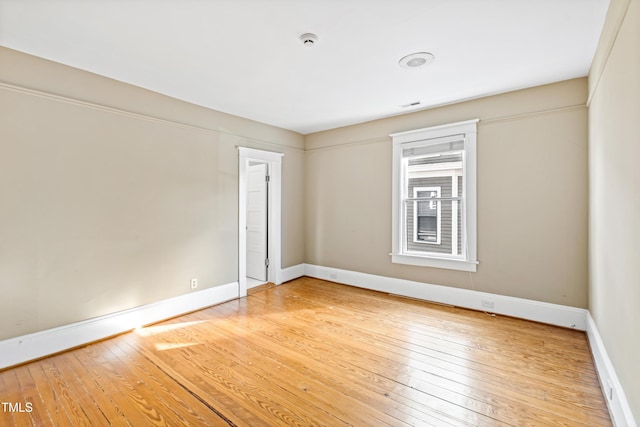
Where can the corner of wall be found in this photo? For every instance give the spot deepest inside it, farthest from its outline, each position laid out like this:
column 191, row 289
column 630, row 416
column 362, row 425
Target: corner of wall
column 613, row 22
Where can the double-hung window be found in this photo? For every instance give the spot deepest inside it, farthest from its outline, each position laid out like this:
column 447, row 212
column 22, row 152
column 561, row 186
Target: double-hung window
column 434, row 196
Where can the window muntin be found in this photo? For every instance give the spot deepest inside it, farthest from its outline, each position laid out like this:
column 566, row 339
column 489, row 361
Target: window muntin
column 434, row 209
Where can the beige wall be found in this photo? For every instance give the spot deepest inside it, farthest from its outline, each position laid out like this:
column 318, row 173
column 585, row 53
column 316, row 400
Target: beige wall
column 532, row 193
column 114, row 196
column 614, row 226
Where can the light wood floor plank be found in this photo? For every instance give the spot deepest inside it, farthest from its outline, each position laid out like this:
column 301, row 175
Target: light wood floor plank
column 548, row 373
column 519, row 358
column 439, row 325
column 388, row 367
column 477, row 358
column 48, row 390
column 183, row 408
column 447, row 319
column 251, row 371
column 235, row 357
column 11, row 394
column 121, row 387
column 309, row 379
column 357, row 336
column 31, row 394
column 315, row 353
column 307, row 343
column 93, row 398
column 240, row 403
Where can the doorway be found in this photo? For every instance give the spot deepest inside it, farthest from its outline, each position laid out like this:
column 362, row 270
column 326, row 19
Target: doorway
column 257, row 221
column 259, row 196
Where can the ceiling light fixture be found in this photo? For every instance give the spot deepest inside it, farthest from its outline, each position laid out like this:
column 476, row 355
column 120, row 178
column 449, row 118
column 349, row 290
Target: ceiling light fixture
column 308, row 39
column 416, row 60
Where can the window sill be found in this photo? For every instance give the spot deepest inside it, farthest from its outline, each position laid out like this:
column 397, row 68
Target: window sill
column 425, row 261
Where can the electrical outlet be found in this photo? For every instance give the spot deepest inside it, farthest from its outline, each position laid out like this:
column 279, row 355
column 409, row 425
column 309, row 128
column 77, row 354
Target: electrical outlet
column 487, row 303
column 194, row 283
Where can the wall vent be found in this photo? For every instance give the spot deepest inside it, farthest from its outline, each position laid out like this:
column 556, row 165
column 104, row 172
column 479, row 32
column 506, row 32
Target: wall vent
column 412, row 104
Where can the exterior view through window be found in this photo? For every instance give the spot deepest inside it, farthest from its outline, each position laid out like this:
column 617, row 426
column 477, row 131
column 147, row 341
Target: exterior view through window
column 433, row 208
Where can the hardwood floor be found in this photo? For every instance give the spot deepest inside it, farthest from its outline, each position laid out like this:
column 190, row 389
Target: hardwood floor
column 315, row 353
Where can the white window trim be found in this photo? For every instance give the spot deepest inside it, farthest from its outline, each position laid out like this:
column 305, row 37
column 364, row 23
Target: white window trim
column 454, row 212
column 468, row 262
column 438, row 191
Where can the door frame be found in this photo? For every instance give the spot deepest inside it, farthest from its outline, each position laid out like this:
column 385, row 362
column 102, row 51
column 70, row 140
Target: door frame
column 274, row 209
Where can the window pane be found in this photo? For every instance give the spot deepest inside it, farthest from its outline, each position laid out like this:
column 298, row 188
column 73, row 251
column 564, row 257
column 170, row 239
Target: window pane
column 427, row 228
column 433, row 214
column 440, row 233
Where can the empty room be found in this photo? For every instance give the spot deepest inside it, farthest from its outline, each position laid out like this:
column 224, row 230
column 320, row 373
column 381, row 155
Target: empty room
column 319, row 213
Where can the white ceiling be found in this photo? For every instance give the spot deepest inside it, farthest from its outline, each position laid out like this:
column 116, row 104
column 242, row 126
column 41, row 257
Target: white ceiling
column 244, row 57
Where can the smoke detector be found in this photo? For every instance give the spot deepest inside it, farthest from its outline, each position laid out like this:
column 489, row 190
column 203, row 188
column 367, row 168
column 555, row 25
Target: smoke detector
column 308, row 39
column 416, row 60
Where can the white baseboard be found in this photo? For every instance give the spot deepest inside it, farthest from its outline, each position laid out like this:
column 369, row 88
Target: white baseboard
column 619, row 408
column 554, row 314
column 14, row 351
column 291, row 273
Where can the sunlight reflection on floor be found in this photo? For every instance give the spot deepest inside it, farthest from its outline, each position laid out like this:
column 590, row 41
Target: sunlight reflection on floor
column 160, row 346
column 159, row 329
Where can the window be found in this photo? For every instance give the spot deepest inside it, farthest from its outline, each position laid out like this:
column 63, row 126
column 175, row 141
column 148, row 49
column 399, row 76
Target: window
column 434, row 196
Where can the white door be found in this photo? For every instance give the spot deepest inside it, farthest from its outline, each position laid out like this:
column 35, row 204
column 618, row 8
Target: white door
column 257, row 221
